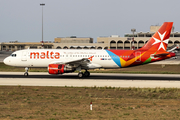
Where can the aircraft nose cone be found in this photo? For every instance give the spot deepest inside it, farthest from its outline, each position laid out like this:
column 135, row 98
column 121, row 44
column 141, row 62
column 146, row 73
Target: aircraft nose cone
column 6, row 61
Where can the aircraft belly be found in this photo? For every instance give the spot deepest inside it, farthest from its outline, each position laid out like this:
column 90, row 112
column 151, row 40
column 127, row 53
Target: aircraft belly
column 106, row 63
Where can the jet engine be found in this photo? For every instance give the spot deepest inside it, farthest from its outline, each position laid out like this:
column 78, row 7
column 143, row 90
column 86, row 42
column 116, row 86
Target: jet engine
column 59, row 69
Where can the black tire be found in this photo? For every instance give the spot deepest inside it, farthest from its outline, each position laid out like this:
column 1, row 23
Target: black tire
column 26, row 74
column 87, row 74
column 80, row 75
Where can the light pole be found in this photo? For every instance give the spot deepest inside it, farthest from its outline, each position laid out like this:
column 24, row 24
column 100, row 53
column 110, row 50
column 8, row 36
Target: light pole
column 42, row 4
column 133, row 30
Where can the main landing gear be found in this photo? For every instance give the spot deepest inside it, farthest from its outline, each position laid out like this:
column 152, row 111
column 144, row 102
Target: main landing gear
column 85, row 74
column 26, row 71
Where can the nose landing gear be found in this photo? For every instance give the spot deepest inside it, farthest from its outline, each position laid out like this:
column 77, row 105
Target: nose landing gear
column 26, row 71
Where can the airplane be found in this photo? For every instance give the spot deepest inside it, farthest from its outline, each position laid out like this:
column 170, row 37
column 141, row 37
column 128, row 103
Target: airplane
column 68, row 60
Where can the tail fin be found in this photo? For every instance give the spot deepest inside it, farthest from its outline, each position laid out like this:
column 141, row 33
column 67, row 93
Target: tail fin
column 159, row 40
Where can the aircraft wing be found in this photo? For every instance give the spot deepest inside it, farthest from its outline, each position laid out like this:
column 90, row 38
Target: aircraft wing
column 81, row 62
column 84, row 62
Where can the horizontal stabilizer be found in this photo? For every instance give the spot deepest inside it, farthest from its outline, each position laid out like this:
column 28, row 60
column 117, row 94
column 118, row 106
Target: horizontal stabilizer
column 172, row 48
column 159, row 55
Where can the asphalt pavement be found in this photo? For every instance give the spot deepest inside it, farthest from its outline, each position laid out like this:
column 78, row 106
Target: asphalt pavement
column 96, row 79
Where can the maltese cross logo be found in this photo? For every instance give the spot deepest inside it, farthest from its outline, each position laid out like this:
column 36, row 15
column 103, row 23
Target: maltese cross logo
column 90, row 58
column 161, row 41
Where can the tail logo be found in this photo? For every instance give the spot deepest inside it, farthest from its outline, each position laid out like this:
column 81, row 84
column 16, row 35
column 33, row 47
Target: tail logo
column 161, row 40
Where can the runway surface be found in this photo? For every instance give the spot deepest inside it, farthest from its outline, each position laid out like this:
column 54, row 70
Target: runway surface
column 96, row 79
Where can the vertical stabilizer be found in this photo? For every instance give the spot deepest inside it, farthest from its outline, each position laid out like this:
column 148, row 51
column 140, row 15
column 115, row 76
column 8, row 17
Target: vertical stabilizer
column 159, row 41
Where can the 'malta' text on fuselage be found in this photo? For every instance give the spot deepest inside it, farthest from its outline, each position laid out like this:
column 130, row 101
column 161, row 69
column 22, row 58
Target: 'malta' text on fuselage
column 44, row 55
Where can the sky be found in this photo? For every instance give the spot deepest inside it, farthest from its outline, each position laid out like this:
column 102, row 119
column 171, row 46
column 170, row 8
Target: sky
column 21, row 20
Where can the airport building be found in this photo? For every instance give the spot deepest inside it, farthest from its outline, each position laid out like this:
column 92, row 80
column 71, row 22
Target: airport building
column 112, row 42
column 15, row 45
column 140, row 38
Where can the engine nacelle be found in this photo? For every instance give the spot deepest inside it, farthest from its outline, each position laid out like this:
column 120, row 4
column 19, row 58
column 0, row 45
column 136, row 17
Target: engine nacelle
column 59, row 69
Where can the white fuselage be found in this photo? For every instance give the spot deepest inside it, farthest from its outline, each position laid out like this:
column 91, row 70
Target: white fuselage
column 44, row 57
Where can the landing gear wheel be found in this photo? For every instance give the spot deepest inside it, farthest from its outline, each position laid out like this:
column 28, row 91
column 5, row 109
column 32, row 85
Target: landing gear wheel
column 26, row 71
column 80, row 75
column 26, row 74
column 87, row 74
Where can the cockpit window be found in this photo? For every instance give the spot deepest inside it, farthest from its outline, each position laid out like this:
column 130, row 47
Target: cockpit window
column 13, row 55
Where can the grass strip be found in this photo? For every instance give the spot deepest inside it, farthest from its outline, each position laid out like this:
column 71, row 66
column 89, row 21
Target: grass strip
column 53, row 103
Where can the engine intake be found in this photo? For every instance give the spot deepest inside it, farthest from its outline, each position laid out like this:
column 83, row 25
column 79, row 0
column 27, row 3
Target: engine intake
column 59, row 69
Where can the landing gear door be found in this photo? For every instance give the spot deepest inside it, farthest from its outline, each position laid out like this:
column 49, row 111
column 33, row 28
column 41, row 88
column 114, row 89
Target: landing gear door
column 24, row 56
column 138, row 56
